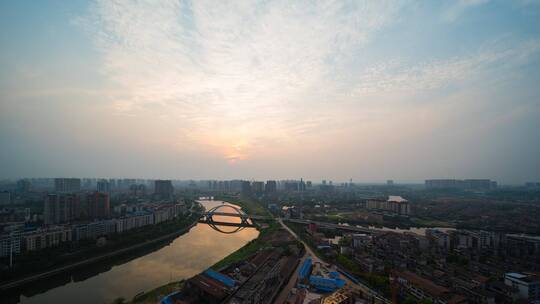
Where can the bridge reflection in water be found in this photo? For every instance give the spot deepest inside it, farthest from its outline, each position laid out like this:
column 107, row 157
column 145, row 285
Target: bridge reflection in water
column 219, row 216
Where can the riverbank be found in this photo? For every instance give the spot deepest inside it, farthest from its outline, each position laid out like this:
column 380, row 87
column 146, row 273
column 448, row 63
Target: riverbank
column 262, row 241
column 152, row 296
column 251, row 207
column 250, row 248
column 181, row 227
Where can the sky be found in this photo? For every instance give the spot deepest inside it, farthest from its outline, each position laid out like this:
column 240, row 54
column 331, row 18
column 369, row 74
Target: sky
column 339, row 90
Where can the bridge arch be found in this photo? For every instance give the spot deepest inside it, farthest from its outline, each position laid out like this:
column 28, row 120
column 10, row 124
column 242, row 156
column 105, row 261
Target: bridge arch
column 230, row 211
column 218, row 229
column 237, row 210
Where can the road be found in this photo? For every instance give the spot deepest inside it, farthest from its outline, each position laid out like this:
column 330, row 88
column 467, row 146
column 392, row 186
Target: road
column 309, row 252
column 308, row 249
column 282, row 297
column 335, row 226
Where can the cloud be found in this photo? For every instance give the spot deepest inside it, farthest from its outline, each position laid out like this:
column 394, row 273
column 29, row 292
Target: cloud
column 459, row 7
column 272, row 80
column 240, row 69
column 400, row 76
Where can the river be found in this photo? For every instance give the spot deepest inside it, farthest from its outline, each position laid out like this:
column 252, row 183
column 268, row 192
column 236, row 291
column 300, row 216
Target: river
column 184, row 257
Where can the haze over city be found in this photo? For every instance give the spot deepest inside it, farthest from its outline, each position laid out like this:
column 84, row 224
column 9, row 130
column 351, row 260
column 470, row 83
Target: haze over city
column 280, row 89
column 270, row 152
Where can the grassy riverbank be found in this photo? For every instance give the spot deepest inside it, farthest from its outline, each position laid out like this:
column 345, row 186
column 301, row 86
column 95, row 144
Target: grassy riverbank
column 249, row 205
column 250, row 248
column 153, row 296
column 253, row 207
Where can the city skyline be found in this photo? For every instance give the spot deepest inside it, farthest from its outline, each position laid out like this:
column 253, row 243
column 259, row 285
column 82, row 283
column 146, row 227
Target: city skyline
column 265, row 90
column 131, row 180
column 270, row 151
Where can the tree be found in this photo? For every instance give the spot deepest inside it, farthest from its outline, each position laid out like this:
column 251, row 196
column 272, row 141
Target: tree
column 409, row 300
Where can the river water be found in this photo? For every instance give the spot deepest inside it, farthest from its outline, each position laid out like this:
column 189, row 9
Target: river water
column 184, row 257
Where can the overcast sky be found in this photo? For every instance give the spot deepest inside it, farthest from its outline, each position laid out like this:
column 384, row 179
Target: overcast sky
column 368, row 90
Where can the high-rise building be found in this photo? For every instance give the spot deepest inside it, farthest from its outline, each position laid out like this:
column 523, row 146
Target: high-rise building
column 87, row 183
column 137, row 190
column 472, row 184
column 112, row 183
column 10, row 244
column 389, row 182
column 246, row 188
column 5, row 197
column 49, row 209
column 103, row 186
column 61, row 208
column 163, row 188
column 302, row 185
column 257, row 187
column 271, row 187
column 98, row 205
column 23, row 186
column 532, row 185
column 235, row 185
column 67, row 184
column 291, row 186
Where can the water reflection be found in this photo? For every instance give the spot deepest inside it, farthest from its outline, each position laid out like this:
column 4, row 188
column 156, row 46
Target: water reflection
column 125, row 277
column 217, row 219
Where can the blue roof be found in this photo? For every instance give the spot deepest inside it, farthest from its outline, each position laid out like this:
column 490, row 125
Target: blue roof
column 333, row 274
column 324, row 246
column 167, row 299
column 326, row 284
column 304, row 270
column 220, row 277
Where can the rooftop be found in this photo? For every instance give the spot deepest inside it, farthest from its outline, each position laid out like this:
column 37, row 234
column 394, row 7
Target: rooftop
column 397, row 199
column 524, row 277
column 423, row 283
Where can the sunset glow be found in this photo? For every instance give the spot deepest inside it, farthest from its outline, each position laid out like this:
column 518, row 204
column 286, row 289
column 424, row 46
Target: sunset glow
column 274, row 85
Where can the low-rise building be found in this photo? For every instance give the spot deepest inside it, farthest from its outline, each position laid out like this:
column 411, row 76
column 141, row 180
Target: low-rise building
column 527, row 285
column 395, row 204
column 46, row 238
column 523, row 245
column 134, row 220
column 440, row 238
column 10, row 243
column 424, row 289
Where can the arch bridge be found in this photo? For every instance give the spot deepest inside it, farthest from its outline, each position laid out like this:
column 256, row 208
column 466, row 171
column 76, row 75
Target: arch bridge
column 225, row 210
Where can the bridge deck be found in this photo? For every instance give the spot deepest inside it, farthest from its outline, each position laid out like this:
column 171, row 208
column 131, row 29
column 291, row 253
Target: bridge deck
column 227, row 224
column 245, row 216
